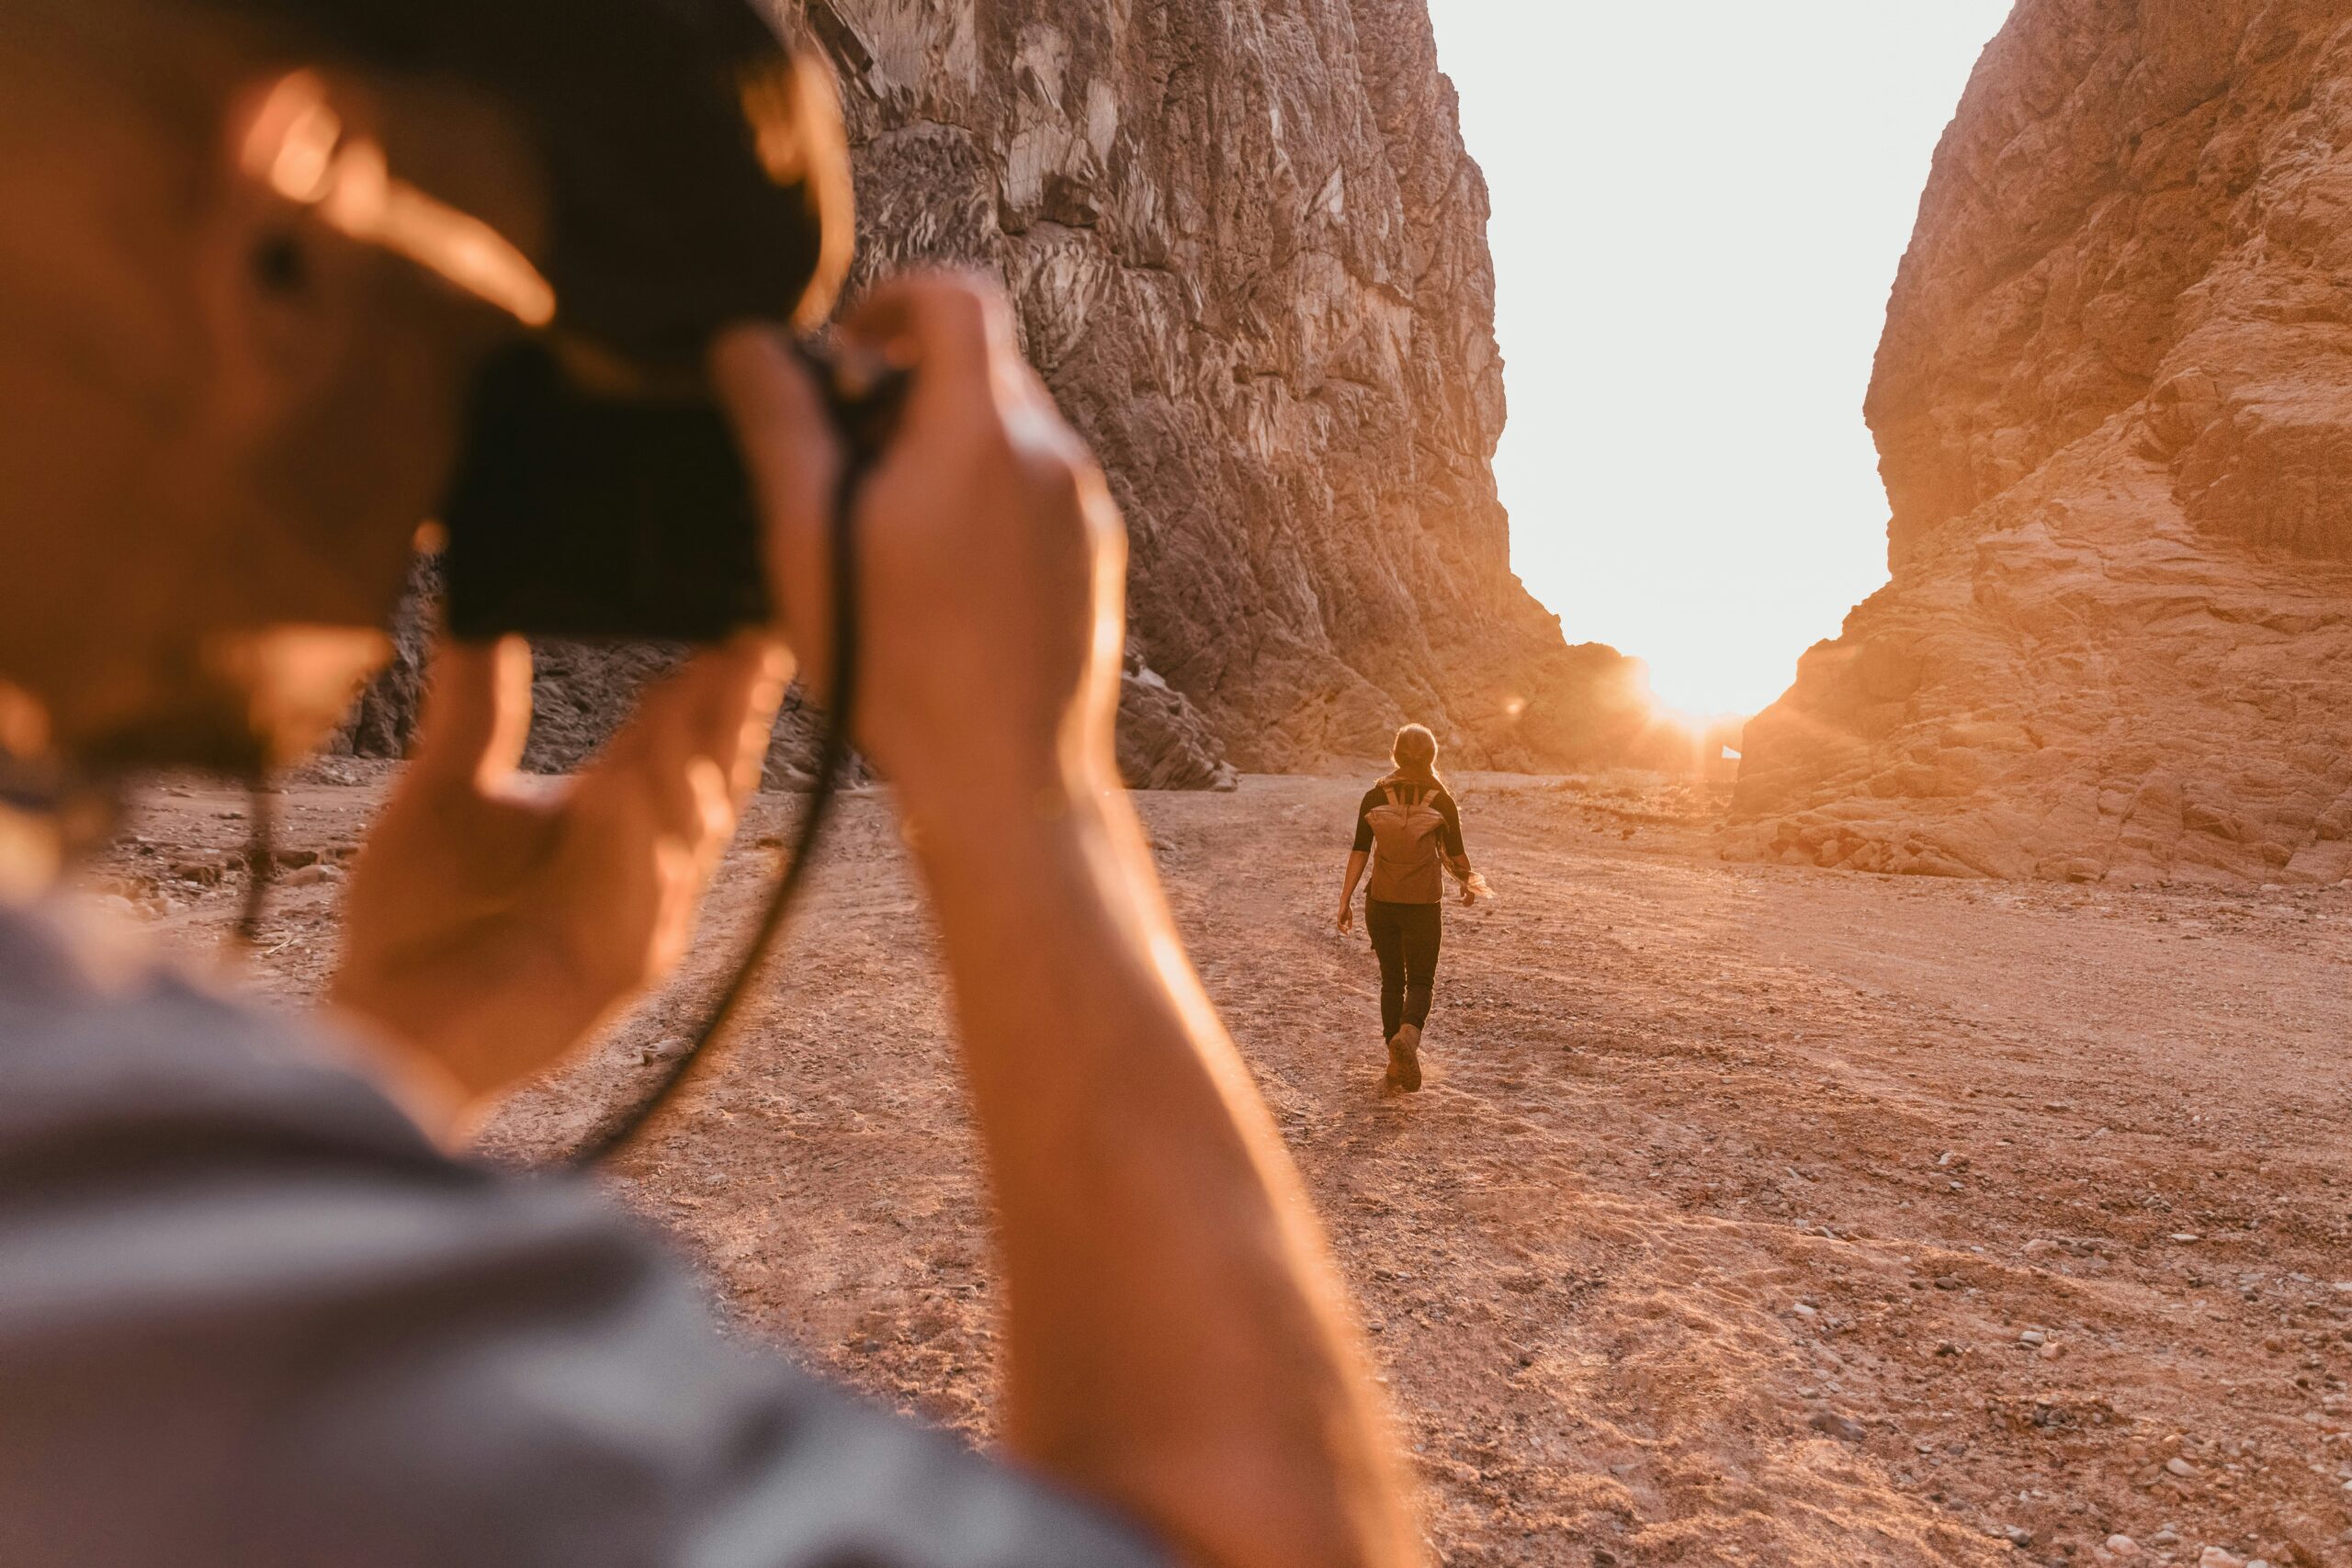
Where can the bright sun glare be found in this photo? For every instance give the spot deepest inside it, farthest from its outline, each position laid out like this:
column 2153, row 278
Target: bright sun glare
column 1699, row 210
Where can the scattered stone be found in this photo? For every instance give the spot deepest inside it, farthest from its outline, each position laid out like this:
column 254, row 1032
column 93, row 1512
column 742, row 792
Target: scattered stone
column 2214, row 1557
column 2122, row 1546
column 2019, row 1536
column 2033, row 1337
column 2179, row 1466
column 2052, row 1350
column 2186, row 1237
column 310, row 876
column 665, row 1049
column 1843, row 1428
column 1804, row 1311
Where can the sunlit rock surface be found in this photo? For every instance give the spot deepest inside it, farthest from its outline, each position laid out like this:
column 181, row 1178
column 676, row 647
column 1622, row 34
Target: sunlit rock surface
column 2114, row 413
column 1249, row 257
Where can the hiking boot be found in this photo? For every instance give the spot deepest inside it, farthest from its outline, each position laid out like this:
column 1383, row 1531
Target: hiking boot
column 1405, row 1059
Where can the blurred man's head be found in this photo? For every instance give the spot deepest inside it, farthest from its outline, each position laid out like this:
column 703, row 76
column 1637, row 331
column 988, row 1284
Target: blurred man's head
column 220, row 419
column 229, row 393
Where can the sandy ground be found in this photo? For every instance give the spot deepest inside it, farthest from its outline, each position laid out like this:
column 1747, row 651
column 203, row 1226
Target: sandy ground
column 1750, row 1215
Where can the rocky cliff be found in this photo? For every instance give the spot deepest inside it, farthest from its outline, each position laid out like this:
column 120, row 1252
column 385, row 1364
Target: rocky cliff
column 2114, row 413
column 1249, row 255
column 1249, row 252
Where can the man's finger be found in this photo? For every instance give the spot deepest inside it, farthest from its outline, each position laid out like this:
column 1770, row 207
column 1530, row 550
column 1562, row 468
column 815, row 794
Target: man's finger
column 777, row 413
column 956, row 330
column 708, row 723
column 477, row 711
column 787, row 438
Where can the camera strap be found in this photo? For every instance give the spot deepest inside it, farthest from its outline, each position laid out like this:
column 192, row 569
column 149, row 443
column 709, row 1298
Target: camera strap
column 863, row 415
column 833, row 766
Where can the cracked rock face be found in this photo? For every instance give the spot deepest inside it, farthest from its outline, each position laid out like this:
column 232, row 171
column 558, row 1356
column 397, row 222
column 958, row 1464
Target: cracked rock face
column 2113, row 408
column 1248, row 255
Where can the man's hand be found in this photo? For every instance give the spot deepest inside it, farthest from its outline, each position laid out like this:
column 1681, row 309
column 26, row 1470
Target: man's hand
column 991, row 560
column 1347, row 918
column 495, row 920
column 1176, row 1344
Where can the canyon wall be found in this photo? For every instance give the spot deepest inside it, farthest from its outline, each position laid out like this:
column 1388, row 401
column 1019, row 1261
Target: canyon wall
column 1249, row 253
column 2113, row 409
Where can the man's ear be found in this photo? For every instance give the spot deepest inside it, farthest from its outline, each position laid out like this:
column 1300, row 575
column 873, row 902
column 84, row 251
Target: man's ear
column 283, row 297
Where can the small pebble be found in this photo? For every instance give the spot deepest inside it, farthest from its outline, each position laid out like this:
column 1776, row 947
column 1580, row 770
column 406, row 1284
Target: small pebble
column 1842, row 1427
column 2033, row 1337
column 2122, row 1546
column 2179, row 1466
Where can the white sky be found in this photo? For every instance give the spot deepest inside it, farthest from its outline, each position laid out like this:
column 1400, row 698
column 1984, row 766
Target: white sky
column 1699, row 208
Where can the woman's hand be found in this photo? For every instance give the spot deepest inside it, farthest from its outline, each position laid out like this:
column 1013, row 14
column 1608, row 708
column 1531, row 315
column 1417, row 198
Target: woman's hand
column 495, row 919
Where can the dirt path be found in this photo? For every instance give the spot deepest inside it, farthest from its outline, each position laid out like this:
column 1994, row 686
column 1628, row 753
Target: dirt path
column 1751, row 1215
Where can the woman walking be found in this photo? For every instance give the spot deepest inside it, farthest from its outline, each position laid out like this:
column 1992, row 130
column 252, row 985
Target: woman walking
column 1410, row 830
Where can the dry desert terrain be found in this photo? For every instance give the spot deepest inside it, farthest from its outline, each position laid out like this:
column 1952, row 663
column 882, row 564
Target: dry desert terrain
column 1752, row 1215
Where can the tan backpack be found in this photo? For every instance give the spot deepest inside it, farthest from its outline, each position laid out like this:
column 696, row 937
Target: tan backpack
column 1408, row 835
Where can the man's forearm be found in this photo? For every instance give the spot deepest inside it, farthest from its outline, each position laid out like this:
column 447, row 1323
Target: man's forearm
column 1178, row 1343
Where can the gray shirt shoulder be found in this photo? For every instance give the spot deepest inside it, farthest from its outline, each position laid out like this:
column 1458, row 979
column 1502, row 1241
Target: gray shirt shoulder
column 249, row 1316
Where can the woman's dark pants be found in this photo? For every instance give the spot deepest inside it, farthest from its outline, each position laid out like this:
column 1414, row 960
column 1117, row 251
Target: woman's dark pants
column 1406, row 936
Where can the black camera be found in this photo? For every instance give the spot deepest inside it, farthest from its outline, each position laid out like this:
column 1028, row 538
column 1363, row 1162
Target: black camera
column 579, row 515
column 700, row 176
